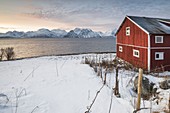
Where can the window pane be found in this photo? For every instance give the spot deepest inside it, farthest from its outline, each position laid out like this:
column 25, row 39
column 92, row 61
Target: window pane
column 127, row 31
column 158, row 39
column 120, row 48
column 157, row 55
column 136, row 53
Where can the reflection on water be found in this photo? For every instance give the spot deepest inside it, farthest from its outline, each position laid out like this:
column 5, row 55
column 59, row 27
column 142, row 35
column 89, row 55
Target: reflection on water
column 31, row 47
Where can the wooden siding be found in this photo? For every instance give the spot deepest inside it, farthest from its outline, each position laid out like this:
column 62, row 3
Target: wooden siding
column 159, row 63
column 137, row 36
column 127, row 55
column 166, row 41
column 160, row 47
column 138, row 40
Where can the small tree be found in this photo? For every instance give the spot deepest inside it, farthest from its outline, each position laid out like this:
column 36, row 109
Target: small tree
column 1, row 54
column 9, row 53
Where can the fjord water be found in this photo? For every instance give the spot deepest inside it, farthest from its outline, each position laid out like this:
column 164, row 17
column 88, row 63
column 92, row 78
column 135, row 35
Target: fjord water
column 31, row 47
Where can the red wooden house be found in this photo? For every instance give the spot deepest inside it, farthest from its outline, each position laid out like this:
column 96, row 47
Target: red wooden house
column 144, row 42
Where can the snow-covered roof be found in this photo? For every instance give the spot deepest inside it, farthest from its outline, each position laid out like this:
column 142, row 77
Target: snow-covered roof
column 152, row 25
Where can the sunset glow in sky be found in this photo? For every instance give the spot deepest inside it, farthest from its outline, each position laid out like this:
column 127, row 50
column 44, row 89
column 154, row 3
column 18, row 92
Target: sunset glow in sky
column 99, row 15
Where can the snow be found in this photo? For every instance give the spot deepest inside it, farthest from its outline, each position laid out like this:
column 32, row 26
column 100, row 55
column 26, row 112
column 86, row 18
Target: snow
column 110, row 33
column 82, row 33
column 86, row 33
column 64, row 84
column 57, row 33
column 77, row 30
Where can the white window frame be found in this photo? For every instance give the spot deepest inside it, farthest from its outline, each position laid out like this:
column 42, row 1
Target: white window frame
column 156, row 39
column 134, row 53
column 161, row 55
column 127, row 31
column 120, row 48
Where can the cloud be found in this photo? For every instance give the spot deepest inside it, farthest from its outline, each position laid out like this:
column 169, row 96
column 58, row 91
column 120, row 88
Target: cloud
column 7, row 28
column 75, row 12
column 80, row 12
column 94, row 13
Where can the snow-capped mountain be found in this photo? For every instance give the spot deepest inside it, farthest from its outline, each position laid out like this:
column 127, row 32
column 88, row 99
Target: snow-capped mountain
column 83, row 33
column 109, row 33
column 12, row 34
column 57, row 33
column 71, row 34
column 41, row 33
column 77, row 30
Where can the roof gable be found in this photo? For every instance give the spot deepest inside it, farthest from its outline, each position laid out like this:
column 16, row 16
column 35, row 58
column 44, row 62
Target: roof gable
column 150, row 25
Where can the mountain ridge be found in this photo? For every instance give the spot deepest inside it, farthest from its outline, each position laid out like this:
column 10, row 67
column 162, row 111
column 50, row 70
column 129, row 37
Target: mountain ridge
column 57, row 33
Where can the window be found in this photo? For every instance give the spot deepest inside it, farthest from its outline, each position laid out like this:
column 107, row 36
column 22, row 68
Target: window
column 136, row 53
column 159, row 55
column 158, row 39
column 127, row 31
column 120, row 49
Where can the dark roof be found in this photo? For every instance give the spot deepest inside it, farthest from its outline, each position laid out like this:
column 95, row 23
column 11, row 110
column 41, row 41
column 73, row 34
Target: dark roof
column 152, row 25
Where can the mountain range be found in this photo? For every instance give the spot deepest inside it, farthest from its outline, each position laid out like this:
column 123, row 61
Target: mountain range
column 58, row 33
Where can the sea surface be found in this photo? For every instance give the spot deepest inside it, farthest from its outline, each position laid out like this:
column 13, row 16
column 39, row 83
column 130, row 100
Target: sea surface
column 33, row 47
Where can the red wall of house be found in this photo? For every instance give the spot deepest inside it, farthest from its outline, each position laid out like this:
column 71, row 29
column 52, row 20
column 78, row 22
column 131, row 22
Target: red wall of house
column 166, row 41
column 127, row 55
column 163, row 47
column 159, row 63
column 138, row 38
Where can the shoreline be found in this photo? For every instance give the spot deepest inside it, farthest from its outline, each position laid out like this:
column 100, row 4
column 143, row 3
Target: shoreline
column 58, row 55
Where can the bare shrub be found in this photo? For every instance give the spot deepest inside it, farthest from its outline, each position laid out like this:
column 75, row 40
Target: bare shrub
column 1, row 54
column 19, row 93
column 92, row 63
column 9, row 53
column 3, row 99
column 87, row 61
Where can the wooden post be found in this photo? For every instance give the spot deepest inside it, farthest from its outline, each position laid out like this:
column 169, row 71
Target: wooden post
column 105, row 76
column 116, row 89
column 169, row 102
column 139, row 88
column 100, row 70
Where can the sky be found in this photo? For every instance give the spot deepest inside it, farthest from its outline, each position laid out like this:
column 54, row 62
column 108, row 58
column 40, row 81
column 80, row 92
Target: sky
column 98, row 15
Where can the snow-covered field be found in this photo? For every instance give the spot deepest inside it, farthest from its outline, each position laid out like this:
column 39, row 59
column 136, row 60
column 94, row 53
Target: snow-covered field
column 63, row 84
